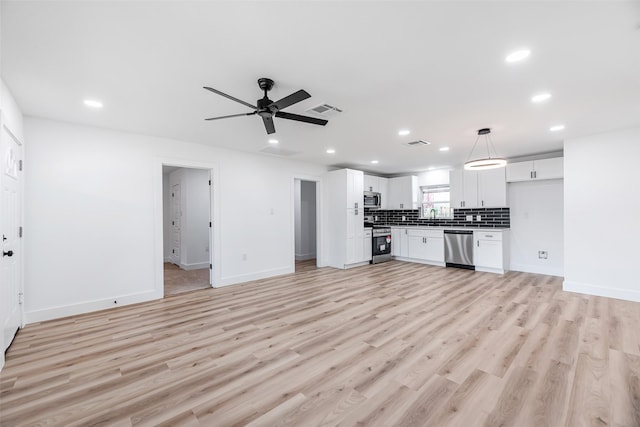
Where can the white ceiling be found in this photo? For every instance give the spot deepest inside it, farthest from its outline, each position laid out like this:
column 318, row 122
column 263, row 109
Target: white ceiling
column 436, row 68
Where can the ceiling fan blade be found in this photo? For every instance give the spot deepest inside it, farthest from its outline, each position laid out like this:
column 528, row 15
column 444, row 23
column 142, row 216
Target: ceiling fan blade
column 289, row 100
column 300, row 118
column 232, row 115
column 268, row 125
column 230, row 97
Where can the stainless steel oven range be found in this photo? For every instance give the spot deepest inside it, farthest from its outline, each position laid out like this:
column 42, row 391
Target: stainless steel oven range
column 381, row 241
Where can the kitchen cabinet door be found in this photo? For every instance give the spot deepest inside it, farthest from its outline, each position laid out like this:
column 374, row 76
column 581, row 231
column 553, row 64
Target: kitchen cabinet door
column 355, row 236
column 367, row 249
column 492, row 188
column 434, row 249
column 403, row 192
column 399, row 242
column 383, row 189
column 520, row 171
column 549, row 168
column 489, row 251
column 463, row 187
column 355, row 183
column 416, row 247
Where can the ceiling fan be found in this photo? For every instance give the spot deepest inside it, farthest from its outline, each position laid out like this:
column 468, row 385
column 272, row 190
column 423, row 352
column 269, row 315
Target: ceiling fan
column 267, row 108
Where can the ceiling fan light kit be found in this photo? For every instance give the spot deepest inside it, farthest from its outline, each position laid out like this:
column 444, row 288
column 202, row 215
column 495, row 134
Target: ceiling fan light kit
column 267, row 109
column 488, row 162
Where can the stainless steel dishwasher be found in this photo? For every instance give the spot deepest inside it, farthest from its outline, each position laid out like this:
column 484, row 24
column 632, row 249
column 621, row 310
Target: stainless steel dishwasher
column 458, row 249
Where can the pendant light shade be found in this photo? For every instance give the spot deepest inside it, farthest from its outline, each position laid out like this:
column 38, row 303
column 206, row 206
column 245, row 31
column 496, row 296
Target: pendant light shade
column 485, row 162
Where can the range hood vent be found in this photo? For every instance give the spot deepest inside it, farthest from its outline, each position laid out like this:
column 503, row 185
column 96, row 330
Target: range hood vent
column 418, row 143
column 324, row 110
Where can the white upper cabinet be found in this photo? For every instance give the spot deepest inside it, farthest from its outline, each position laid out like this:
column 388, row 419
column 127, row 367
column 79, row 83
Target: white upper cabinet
column 492, row 188
column 535, row 170
column 403, row 193
column 355, row 180
column 478, row 189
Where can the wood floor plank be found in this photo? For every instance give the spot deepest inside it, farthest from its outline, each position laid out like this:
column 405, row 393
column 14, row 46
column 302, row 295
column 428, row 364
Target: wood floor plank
column 386, row 344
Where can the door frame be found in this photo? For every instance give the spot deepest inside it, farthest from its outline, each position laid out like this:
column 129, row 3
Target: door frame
column 20, row 220
column 319, row 237
column 215, row 256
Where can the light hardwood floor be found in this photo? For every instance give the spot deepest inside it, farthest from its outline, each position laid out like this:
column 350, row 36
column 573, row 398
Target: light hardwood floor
column 388, row 344
column 177, row 280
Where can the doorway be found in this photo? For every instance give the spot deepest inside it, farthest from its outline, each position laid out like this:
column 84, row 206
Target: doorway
column 305, row 213
column 187, row 264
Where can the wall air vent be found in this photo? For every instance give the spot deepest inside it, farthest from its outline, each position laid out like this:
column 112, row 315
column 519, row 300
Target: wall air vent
column 418, row 143
column 324, row 110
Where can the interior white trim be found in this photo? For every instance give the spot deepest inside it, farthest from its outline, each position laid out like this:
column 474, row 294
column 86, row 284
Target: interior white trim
column 264, row 274
column 537, row 269
column 194, row 266
column 601, row 291
column 90, row 306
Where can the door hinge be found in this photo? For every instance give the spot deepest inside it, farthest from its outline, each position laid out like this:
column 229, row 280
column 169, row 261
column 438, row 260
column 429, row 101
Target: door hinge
column 173, row 251
column 209, row 182
column 19, row 165
column 173, row 195
column 173, row 223
column 20, row 231
column 209, row 224
column 20, row 298
column 210, row 266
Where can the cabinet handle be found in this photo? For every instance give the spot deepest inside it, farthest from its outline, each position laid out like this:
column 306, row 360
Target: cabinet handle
column 482, row 203
column 488, row 236
column 355, row 212
column 535, row 174
column 401, row 205
column 478, row 243
column 355, row 205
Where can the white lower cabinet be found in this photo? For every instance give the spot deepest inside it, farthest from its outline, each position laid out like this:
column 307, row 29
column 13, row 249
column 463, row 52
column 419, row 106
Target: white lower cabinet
column 418, row 244
column 368, row 250
column 490, row 251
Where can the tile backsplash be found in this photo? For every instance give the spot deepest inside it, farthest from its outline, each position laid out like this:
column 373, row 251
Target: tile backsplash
column 489, row 217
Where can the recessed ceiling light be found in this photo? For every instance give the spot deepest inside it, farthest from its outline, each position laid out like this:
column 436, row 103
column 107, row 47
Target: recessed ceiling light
column 404, row 132
column 374, row 162
column 273, row 141
column 444, row 148
column 518, row 55
column 331, row 151
column 541, row 97
column 92, row 103
column 430, row 168
column 556, row 128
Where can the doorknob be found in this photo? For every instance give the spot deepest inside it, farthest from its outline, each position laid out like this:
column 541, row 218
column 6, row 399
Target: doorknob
column 10, row 253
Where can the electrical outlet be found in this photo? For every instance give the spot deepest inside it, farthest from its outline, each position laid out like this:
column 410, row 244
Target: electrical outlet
column 478, row 218
column 542, row 254
column 404, row 218
column 375, row 218
column 469, row 217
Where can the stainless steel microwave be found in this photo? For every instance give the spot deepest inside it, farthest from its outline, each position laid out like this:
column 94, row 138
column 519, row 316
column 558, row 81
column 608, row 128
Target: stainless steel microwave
column 372, row 200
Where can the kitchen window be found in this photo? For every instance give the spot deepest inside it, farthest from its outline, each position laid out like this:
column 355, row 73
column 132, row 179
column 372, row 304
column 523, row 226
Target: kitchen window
column 436, row 201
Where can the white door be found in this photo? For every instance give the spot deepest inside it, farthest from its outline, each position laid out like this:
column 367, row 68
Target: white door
column 176, row 215
column 10, row 292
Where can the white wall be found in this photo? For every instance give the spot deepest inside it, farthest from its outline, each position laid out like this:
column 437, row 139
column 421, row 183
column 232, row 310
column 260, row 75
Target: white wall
column 537, row 217
column 94, row 215
column 305, row 203
column 602, row 214
column 434, row 177
column 195, row 193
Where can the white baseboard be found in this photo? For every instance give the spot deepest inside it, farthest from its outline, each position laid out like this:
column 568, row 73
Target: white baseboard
column 304, row 257
column 89, row 306
column 194, row 266
column 602, row 291
column 538, row 269
column 264, row 274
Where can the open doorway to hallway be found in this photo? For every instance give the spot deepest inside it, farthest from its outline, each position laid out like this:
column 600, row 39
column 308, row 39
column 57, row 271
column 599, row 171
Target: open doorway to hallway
column 186, row 229
column 305, row 207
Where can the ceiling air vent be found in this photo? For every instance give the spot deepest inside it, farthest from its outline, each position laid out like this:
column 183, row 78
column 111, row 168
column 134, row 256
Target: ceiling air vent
column 278, row 151
column 418, row 143
column 324, row 110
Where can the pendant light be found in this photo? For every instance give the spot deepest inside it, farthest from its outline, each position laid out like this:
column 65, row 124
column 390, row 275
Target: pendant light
column 486, row 162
